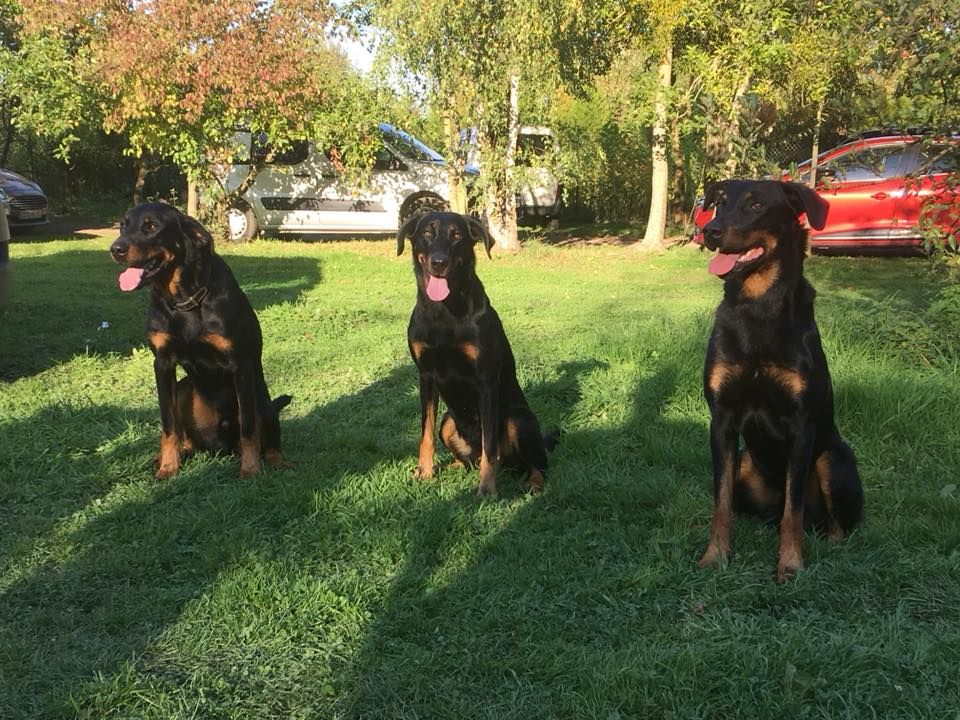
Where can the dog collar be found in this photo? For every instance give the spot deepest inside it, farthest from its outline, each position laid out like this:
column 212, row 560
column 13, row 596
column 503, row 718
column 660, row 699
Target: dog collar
column 193, row 301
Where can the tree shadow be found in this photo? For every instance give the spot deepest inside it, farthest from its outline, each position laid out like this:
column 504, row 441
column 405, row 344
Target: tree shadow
column 93, row 575
column 68, row 305
column 468, row 629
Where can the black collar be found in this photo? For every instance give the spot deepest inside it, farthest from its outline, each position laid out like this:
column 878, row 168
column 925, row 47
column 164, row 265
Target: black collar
column 193, row 301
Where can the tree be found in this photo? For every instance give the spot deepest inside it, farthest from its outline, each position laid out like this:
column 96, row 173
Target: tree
column 478, row 59
column 665, row 17
column 179, row 77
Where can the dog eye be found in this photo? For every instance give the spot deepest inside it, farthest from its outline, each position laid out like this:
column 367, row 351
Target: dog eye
column 756, row 205
column 149, row 226
column 456, row 237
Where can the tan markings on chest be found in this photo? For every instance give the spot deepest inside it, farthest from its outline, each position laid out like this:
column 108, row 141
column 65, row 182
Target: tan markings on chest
column 721, row 373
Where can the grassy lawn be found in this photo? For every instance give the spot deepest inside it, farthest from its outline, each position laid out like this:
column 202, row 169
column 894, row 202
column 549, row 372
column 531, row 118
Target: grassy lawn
column 345, row 589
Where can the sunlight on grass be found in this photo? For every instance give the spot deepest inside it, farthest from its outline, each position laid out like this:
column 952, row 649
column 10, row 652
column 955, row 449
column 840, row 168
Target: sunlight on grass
column 345, row 589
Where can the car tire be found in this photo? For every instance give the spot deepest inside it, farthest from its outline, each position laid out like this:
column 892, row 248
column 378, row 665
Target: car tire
column 422, row 204
column 241, row 223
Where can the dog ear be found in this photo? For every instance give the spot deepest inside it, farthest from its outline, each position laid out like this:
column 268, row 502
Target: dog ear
column 804, row 200
column 478, row 232
column 710, row 193
column 194, row 236
column 408, row 229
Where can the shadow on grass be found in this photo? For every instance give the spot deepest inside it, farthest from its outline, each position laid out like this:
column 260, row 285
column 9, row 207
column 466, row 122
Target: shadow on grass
column 117, row 556
column 478, row 621
column 46, row 335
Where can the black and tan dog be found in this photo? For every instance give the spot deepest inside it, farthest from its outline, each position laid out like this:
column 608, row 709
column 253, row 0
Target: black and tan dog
column 766, row 376
column 200, row 318
column 459, row 346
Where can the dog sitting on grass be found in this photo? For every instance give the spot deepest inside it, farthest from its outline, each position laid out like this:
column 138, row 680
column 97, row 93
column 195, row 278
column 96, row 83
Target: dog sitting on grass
column 458, row 344
column 199, row 318
column 766, row 376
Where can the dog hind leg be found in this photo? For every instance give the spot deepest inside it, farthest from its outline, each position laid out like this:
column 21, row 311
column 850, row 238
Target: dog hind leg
column 464, row 452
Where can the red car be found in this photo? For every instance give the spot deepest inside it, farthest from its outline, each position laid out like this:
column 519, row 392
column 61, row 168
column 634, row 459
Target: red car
column 883, row 190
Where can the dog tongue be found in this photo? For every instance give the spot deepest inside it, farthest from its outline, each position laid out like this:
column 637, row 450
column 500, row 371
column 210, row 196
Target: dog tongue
column 722, row 263
column 130, row 279
column 437, row 288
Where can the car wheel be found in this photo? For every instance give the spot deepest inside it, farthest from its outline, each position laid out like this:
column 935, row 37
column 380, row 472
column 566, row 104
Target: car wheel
column 241, row 223
column 423, row 204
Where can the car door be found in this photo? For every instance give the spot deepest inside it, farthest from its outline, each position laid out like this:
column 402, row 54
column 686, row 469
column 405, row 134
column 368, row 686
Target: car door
column 931, row 197
column 364, row 205
column 863, row 186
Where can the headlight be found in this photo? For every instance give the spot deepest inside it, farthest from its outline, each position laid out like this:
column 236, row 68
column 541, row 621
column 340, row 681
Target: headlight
column 3, row 195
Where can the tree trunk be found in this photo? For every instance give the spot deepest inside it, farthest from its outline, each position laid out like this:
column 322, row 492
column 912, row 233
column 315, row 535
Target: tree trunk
column 500, row 206
column 142, row 171
column 193, row 200
column 457, row 192
column 733, row 126
column 815, row 151
column 9, row 129
column 678, row 181
column 660, row 181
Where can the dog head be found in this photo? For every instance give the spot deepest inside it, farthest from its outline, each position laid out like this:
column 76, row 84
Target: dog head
column 155, row 239
column 754, row 219
column 443, row 256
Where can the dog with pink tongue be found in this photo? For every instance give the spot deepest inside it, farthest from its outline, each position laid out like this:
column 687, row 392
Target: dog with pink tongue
column 464, row 358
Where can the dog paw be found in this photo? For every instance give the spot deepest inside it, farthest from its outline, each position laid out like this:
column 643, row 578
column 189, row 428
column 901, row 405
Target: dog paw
column 249, row 470
column 534, row 482
column 487, row 489
column 423, row 472
column 166, row 471
column 714, row 557
column 787, row 570
column 276, row 460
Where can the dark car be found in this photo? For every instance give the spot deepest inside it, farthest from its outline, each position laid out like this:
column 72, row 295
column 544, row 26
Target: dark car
column 884, row 190
column 27, row 203
column 4, row 259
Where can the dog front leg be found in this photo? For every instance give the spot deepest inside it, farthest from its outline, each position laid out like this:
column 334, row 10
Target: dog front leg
column 165, row 371
column 724, row 449
column 246, row 388
column 791, row 524
column 428, row 423
column 490, row 433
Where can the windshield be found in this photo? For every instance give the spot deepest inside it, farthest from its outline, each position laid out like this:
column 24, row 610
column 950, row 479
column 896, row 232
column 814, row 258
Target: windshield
column 408, row 146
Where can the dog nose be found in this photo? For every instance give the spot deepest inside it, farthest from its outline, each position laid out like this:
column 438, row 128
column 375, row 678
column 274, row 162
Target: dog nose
column 712, row 235
column 439, row 263
column 119, row 249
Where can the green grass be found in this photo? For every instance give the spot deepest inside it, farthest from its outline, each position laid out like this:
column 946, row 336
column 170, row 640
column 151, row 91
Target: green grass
column 346, row 589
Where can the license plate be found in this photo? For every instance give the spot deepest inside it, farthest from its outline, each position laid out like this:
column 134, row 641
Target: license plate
column 30, row 214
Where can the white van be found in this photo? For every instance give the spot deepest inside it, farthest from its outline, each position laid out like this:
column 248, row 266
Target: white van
column 301, row 191
column 538, row 191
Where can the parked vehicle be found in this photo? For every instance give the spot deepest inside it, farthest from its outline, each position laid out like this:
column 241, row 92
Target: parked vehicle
column 539, row 195
column 4, row 258
column 27, row 204
column 883, row 189
column 301, row 191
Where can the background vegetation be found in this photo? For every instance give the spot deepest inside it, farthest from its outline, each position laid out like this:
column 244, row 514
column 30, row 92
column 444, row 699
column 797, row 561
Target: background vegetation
column 104, row 98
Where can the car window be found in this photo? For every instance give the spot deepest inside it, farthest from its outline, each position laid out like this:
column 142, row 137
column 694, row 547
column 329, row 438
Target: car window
column 866, row 164
column 294, row 154
column 936, row 159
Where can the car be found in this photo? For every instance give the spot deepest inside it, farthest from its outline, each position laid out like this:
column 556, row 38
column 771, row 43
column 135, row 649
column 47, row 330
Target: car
column 300, row 189
column 28, row 205
column 539, row 197
column 4, row 258
column 885, row 190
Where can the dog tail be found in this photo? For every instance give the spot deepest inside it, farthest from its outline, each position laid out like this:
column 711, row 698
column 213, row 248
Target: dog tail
column 551, row 439
column 279, row 403
column 845, row 488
